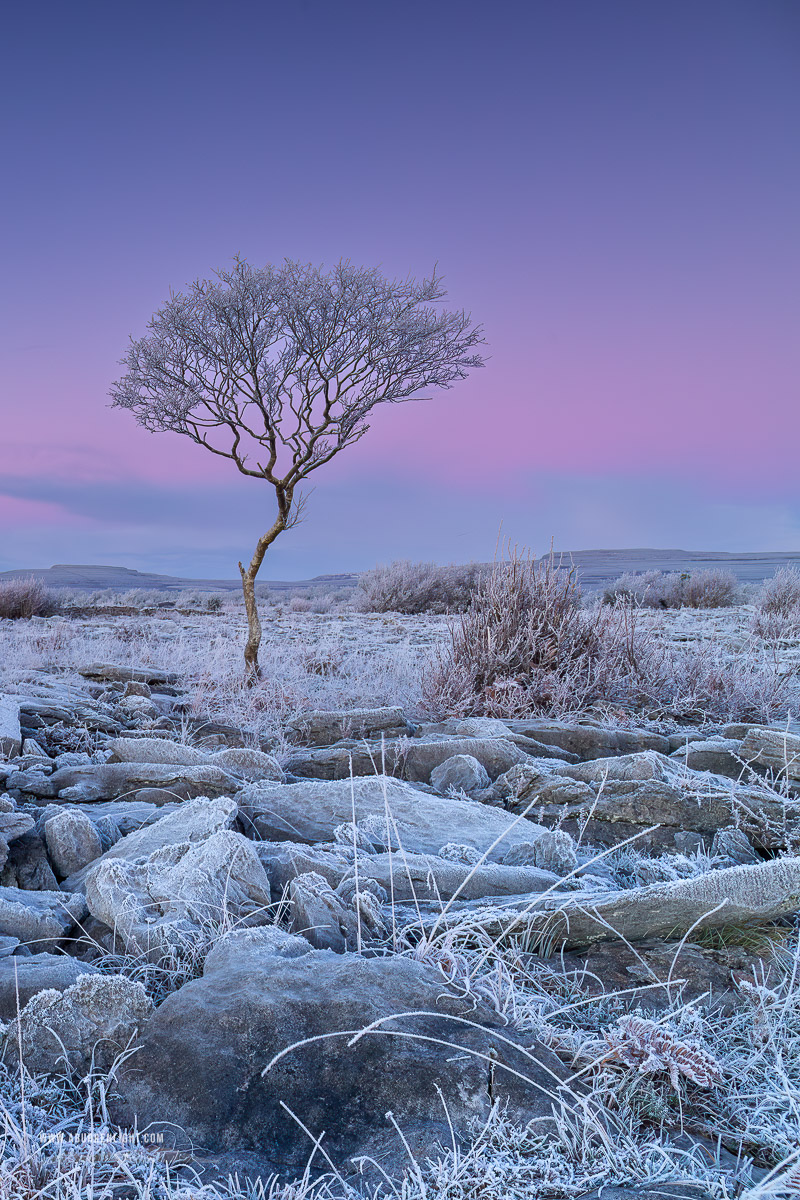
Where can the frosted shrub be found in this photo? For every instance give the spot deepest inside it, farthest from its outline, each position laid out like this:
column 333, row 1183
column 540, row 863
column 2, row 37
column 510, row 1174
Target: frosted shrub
column 300, row 604
column 711, row 588
column 26, row 598
column 413, row 588
column 777, row 606
column 522, row 633
column 780, row 595
column 525, row 647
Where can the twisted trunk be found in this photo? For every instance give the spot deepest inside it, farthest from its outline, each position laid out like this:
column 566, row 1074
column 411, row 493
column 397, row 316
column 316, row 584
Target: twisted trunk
column 248, row 574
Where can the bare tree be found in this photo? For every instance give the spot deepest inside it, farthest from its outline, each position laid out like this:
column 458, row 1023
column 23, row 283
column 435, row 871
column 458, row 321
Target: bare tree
column 278, row 369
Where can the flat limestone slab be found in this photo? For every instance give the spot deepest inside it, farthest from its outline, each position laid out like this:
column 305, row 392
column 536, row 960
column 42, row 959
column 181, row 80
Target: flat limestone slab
column 10, row 737
column 421, row 823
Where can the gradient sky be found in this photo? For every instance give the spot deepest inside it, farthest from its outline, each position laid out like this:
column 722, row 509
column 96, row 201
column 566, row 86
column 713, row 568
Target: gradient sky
column 610, row 186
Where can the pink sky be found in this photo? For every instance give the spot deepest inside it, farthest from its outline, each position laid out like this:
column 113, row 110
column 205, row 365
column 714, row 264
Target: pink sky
column 612, row 191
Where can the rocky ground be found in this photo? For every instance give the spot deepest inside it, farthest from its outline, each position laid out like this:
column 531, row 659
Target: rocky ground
column 248, row 930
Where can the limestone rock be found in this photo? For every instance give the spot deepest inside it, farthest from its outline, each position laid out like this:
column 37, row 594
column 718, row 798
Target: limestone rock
column 774, row 749
column 191, row 822
column 156, row 750
column 590, row 741
column 84, row 1027
column 323, row 728
column 163, row 783
column 199, row 1072
column 10, row 734
column 39, row 919
column 317, row 914
column 461, row 773
column 311, row 810
column 733, row 896
column 72, row 841
column 246, row 763
column 647, row 764
column 35, row 973
column 412, row 759
column 27, row 866
column 720, row 755
column 116, row 673
column 428, row 877
column 179, row 893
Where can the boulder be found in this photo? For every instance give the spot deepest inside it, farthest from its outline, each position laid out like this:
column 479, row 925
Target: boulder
column 180, row 894
column 116, row 673
column 162, row 783
column 461, row 773
column 13, row 825
column 323, row 728
column 421, row 823
column 720, row 755
column 191, row 822
column 317, row 914
column 259, row 940
column 740, row 895
column 590, row 741
column 27, row 975
column 210, row 1068
column 427, row 877
column 647, row 764
column 137, row 710
column 72, row 841
column 82, row 1028
column 246, row 763
column 412, row 759
column 27, row 866
column 657, row 812
column 420, row 757
column 733, row 845
column 492, row 727
column 156, row 750
column 284, row 861
column 554, row 852
column 39, row 919
column 10, row 734
column 773, row 749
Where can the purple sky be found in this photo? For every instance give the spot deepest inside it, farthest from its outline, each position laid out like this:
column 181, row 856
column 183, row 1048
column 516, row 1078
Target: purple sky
column 611, row 188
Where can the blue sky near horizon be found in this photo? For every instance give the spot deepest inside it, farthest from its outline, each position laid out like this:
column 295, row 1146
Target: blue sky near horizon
column 612, row 189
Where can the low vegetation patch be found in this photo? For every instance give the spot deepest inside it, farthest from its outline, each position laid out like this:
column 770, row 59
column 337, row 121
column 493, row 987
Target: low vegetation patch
column 712, row 588
column 526, row 647
column 413, row 588
column 22, row 599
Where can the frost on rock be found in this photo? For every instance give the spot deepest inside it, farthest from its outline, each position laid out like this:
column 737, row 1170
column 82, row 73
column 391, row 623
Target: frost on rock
column 179, row 891
column 82, row 1028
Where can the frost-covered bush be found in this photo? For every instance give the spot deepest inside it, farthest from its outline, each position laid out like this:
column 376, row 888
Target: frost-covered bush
column 777, row 606
column 525, row 647
column 711, row 588
column 25, row 598
column 780, row 594
column 413, row 588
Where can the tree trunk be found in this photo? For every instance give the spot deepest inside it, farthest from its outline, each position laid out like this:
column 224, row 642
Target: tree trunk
column 248, row 574
column 251, row 667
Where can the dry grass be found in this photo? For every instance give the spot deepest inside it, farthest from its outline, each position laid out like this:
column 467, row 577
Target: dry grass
column 525, row 647
column 21, row 599
column 414, row 588
column 710, row 588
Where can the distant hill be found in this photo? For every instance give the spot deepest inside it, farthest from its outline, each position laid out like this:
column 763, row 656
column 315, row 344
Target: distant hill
column 599, row 567
column 121, row 579
column 596, row 569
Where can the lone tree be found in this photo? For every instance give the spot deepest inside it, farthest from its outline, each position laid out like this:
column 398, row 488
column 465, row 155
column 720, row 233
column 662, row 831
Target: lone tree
column 278, row 369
